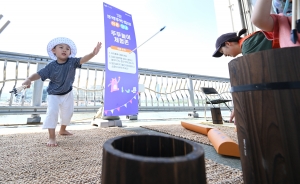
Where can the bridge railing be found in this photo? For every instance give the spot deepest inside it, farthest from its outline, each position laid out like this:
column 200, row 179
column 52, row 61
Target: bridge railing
column 164, row 90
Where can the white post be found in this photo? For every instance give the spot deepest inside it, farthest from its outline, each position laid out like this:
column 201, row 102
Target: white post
column 37, row 97
column 192, row 99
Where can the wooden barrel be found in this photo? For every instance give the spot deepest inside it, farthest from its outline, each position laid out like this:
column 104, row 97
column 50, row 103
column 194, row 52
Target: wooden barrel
column 266, row 97
column 152, row 159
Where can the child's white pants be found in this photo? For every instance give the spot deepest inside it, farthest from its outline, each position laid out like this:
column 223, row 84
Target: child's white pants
column 62, row 105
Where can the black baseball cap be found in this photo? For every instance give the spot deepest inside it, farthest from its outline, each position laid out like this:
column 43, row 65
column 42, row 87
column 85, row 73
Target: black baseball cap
column 225, row 38
column 222, row 39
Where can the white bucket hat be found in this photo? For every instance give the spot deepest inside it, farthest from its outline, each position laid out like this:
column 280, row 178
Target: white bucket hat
column 60, row 40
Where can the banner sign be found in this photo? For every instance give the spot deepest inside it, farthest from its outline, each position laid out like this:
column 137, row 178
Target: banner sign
column 121, row 68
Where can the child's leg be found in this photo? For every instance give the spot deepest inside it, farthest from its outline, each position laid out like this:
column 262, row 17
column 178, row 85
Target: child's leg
column 66, row 112
column 52, row 140
column 51, row 119
column 63, row 130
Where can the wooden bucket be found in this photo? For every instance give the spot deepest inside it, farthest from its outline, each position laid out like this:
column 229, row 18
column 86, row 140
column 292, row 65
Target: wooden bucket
column 266, row 97
column 152, row 159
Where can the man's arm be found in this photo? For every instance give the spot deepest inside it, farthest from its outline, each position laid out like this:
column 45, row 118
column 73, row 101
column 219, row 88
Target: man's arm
column 261, row 15
column 86, row 58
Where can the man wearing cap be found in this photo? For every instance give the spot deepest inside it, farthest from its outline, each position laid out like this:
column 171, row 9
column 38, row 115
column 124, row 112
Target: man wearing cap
column 231, row 44
column 61, row 73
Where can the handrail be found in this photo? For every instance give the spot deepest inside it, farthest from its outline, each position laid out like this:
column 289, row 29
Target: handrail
column 164, row 90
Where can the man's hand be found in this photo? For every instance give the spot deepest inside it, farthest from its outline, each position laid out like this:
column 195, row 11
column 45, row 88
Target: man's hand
column 231, row 116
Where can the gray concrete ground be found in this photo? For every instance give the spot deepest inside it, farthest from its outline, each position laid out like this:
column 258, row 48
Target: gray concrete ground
column 84, row 122
column 210, row 152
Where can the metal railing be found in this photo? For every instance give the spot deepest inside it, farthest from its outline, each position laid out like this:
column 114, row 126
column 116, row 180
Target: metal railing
column 164, row 90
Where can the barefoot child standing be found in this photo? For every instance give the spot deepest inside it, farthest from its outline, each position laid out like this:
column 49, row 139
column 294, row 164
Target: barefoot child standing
column 61, row 73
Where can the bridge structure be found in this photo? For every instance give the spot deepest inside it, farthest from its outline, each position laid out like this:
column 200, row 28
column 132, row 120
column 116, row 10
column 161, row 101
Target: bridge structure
column 164, row 90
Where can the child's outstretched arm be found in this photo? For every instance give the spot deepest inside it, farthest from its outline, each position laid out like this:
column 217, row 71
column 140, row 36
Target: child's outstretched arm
column 33, row 77
column 261, row 15
column 86, row 58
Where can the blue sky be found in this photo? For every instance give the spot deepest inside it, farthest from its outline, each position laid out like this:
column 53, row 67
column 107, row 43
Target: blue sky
column 186, row 45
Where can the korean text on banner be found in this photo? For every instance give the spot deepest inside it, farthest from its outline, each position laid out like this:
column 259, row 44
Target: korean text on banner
column 121, row 68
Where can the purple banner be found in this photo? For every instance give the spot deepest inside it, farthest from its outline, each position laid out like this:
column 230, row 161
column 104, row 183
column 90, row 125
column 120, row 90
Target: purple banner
column 121, row 74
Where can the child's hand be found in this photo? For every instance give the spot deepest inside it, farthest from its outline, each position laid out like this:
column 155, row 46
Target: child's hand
column 86, row 58
column 97, row 48
column 27, row 83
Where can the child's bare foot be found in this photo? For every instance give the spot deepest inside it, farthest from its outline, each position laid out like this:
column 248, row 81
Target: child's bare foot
column 64, row 132
column 52, row 143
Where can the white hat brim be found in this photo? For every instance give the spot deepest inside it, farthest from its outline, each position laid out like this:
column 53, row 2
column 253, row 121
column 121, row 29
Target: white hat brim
column 61, row 40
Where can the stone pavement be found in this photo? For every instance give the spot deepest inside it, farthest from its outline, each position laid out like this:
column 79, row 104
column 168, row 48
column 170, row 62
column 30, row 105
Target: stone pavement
column 131, row 125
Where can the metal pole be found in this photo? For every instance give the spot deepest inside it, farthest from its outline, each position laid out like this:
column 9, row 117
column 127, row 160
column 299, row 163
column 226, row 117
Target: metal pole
column 294, row 32
column 249, row 16
column 149, row 39
column 192, row 99
column 230, row 9
column 37, row 97
column 241, row 14
column 38, row 88
column 4, row 26
column 298, row 17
